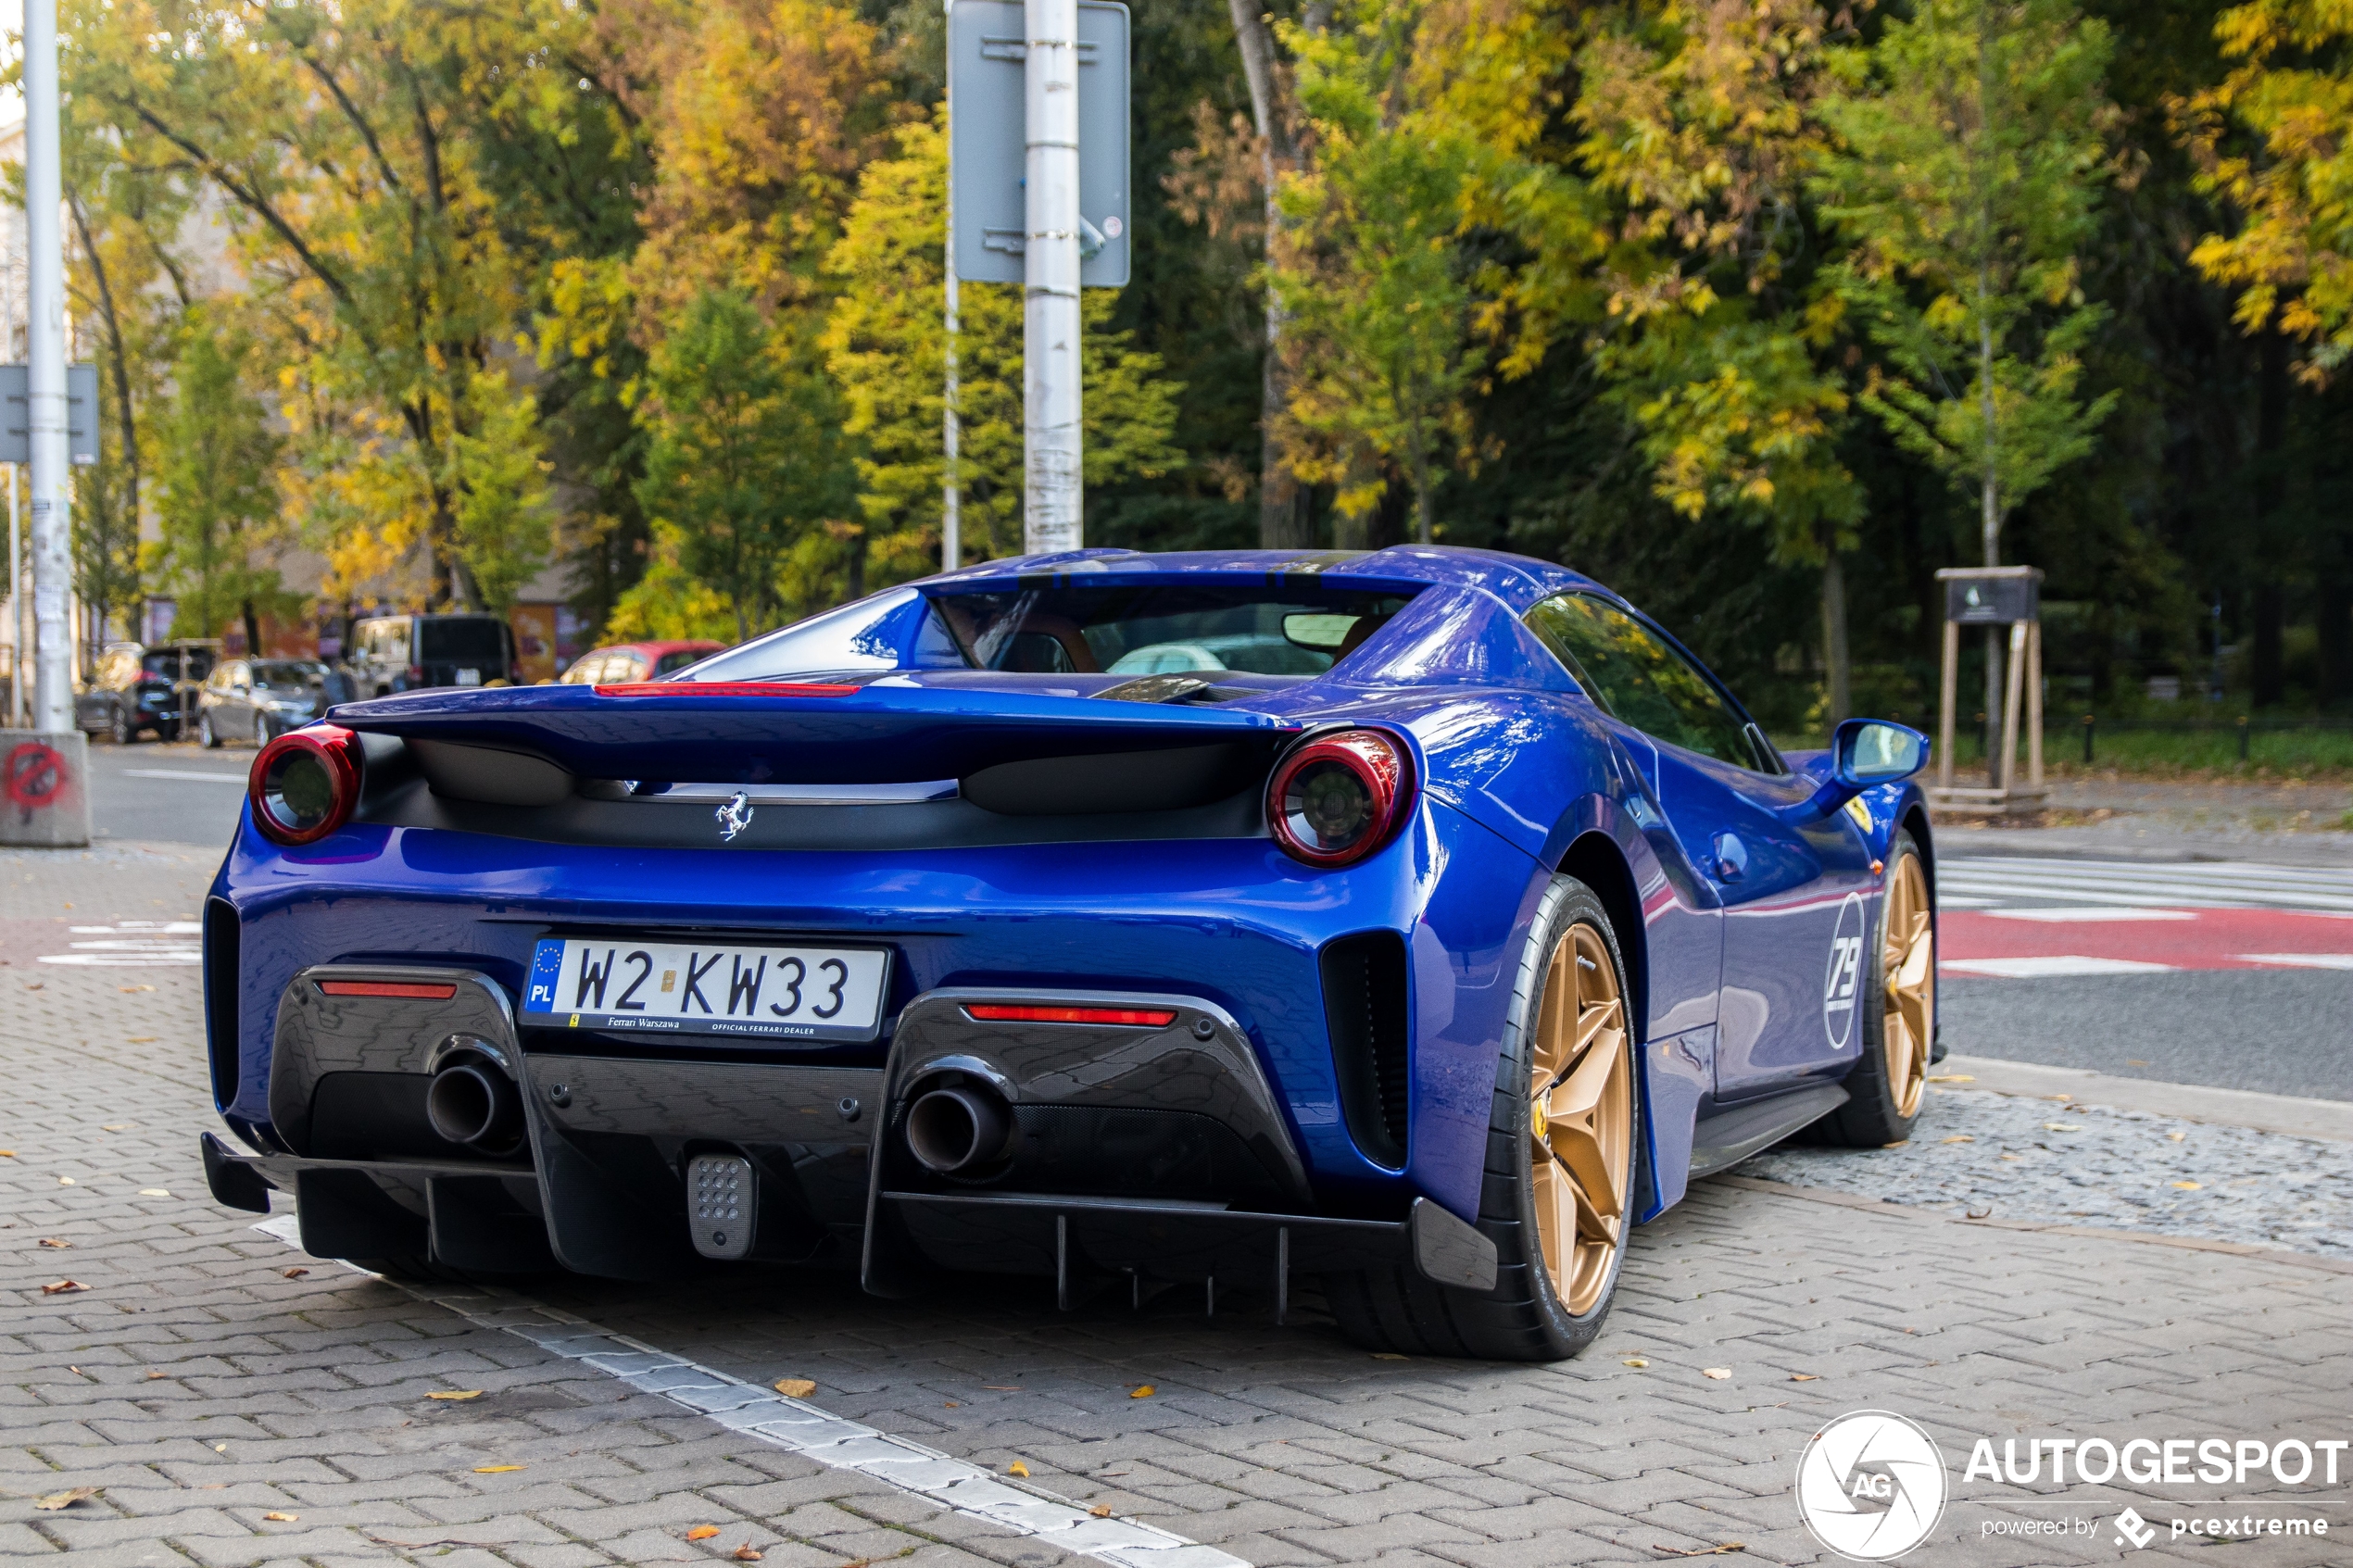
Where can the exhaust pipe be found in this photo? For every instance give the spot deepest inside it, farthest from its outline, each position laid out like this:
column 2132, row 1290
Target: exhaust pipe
column 474, row 1104
column 958, row 1130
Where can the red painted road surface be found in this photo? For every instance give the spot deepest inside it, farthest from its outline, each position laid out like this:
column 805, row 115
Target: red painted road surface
column 2110, row 940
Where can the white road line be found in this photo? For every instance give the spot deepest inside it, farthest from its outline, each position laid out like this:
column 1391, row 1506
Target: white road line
column 2051, row 966
column 2303, row 961
column 2078, row 917
column 803, row 1428
column 238, row 779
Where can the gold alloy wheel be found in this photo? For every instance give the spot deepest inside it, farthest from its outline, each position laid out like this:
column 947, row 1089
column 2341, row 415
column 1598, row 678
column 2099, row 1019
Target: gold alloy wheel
column 1907, row 969
column 1580, row 1120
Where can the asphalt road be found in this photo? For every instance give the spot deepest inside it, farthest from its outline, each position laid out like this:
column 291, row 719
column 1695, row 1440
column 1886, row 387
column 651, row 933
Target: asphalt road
column 2280, row 1031
column 166, row 794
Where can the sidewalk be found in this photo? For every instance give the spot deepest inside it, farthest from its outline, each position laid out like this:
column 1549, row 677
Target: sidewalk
column 2117, row 816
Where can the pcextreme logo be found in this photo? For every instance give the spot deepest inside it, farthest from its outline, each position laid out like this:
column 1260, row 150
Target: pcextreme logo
column 1870, row 1485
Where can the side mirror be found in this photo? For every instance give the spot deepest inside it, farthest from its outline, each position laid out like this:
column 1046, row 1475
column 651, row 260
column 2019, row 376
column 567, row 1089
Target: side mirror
column 1865, row 752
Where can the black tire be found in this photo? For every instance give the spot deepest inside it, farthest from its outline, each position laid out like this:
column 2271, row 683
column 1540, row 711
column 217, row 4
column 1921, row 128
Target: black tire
column 1523, row 1318
column 206, row 732
column 1871, row 1118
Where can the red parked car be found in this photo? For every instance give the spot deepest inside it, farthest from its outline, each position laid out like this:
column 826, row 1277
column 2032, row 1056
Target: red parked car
column 636, row 661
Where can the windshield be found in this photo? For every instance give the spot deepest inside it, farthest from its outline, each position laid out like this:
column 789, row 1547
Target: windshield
column 463, row 637
column 1157, row 629
column 163, row 664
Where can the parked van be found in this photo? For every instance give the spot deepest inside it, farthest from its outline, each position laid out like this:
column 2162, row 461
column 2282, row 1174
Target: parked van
column 407, row 653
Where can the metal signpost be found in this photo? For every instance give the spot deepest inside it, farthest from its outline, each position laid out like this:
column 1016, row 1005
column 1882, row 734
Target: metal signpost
column 1994, row 596
column 1038, row 195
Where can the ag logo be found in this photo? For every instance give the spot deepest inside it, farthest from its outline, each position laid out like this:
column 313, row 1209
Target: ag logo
column 1843, row 988
column 1870, row 1485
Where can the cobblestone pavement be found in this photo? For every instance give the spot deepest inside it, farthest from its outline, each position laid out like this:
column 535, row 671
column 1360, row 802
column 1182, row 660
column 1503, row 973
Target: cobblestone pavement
column 2054, row 1162
column 208, row 1377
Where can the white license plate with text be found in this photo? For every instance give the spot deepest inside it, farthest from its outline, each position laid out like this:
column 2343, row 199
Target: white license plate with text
column 790, row 993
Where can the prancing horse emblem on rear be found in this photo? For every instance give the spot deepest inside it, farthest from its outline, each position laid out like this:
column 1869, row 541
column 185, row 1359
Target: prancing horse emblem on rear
column 733, row 817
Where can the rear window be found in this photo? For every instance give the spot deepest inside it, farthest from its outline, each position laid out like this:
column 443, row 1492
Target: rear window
column 164, row 664
column 1157, row 629
column 670, row 663
column 466, row 638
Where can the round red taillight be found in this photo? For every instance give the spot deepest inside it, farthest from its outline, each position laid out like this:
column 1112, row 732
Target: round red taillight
column 1338, row 798
column 304, row 784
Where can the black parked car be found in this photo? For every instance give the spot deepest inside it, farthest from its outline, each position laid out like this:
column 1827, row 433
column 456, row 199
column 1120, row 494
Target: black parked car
column 138, row 690
column 407, row 653
column 259, row 700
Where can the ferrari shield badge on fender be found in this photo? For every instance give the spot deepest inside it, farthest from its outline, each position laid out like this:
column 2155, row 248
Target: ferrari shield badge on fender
column 733, row 817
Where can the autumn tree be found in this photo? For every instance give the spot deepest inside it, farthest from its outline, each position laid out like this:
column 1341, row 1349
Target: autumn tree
column 1964, row 178
column 216, row 496
column 885, row 344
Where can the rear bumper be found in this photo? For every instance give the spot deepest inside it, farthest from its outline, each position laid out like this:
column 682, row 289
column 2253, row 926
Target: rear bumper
column 1156, row 1152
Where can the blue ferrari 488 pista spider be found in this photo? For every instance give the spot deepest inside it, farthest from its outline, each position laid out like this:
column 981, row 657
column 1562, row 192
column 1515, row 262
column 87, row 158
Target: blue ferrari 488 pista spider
column 1414, row 923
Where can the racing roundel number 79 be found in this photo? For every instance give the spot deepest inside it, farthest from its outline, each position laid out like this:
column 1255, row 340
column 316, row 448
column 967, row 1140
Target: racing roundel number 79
column 1843, row 982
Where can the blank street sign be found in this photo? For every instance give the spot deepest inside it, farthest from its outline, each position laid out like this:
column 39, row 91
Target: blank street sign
column 82, row 414
column 986, row 59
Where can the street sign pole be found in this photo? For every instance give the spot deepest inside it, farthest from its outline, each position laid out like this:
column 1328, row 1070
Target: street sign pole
column 952, row 434
column 1052, row 493
column 45, row 301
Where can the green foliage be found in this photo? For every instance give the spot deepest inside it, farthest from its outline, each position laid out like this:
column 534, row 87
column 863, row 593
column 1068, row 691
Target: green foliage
column 216, row 495
column 742, row 458
column 1965, row 177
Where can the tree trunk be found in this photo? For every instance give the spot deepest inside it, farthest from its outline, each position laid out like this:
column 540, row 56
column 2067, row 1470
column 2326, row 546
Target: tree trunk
column 1837, row 667
column 2268, row 661
column 1990, row 522
column 1282, row 515
column 2336, row 616
column 253, row 629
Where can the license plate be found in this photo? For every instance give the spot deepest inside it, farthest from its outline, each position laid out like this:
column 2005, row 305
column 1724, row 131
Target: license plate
column 789, row 993
column 470, row 677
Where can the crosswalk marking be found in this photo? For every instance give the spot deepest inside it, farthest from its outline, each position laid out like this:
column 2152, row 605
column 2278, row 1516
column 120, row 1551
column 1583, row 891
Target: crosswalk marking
column 1991, row 880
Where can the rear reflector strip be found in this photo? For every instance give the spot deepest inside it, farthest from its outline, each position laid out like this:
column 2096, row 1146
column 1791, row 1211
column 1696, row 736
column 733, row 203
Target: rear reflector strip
column 997, row 1012
column 420, row 989
column 723, row 688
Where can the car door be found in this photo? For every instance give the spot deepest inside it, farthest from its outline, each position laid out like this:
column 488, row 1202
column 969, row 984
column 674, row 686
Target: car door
column 1792, row 882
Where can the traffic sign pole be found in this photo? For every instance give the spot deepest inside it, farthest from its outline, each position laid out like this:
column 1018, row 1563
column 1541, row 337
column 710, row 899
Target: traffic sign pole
column 46, row 302
column 1052, row 493
column 952, row 431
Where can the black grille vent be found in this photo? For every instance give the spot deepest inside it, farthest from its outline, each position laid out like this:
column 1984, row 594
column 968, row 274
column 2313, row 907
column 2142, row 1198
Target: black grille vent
column 1365, row 1006
column 220, row 997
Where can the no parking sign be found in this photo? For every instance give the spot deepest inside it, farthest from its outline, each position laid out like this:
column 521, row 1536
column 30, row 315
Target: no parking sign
column 41, row 776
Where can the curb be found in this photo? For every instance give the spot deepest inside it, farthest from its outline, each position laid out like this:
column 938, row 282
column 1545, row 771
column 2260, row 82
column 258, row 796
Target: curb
column 2329, row 1118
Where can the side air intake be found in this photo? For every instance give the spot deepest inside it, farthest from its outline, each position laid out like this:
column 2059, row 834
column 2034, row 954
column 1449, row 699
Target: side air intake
column 220, row 974
column 1365, row 1008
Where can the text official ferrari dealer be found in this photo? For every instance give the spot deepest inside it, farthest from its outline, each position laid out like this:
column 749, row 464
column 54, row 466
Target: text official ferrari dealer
column 1415, row 922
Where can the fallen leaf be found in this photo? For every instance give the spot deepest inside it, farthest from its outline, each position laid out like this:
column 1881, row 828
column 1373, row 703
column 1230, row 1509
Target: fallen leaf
column 2060, row 1097
column 140, row 1039
column 1979, row 1213
column 281, row 1518
column 1636, row 1362
column 455, row 1394
column 1386, row 1356
column 2063, row 1126
column 75, row 1369
column 1699, row 1550
column 2129, row 1062
column 7, row 1154
column 1899, row 1142
column 2177, row 1138
column 746, row 1553
column 65, row 1181
column 118, row 1126
column 1717, row 1373
column 703, row 1531
column 949, row 1405
column 495, row 1469
column 1960, row 1137
column 1952, row 1078
column 57, row 1241
column 153, row 1374
column 1100, row 1511
column 133, row 988
column 1804, row 1377
column 1141, row 1391
column 57, row 1500
column 795, row 1387
column 62, row 1286
column 293, row 1274
column 1017, row 1468
column 154, row 1192
column 2189, row 1187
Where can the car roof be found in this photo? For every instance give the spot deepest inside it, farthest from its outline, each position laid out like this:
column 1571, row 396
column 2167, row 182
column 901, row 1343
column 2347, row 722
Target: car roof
column 1519, row 581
